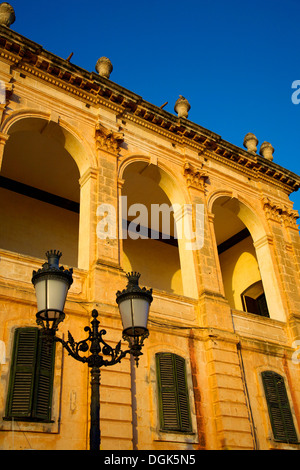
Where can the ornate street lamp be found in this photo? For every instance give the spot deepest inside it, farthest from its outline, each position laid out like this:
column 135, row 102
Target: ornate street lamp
column 52, row 283
column 134, row 304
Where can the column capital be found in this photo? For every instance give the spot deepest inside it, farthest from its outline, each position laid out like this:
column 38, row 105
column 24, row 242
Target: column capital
column 195, row 176
column 120, row 183
column 89, row 173
column 264, row 240
column 4, row 138
column 107, row 139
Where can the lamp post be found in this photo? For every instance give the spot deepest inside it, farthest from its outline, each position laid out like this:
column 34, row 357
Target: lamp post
column 52, row 283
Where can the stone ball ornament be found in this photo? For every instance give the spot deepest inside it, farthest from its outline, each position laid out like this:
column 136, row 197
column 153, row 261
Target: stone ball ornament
column 104, row 67
column 182, row 107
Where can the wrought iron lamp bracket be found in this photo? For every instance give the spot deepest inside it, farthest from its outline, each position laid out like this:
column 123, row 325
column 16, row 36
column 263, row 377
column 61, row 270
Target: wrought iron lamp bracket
column 98, row 347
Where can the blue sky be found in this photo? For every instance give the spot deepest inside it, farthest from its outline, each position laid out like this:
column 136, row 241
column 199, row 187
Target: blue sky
column 235, row 61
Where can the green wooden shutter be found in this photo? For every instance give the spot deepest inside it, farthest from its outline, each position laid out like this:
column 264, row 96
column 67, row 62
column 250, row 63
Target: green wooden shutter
column 279, row 408
column 183, row 399
column 31, row 377
column 44, row 379
column 173, row 394
column 21, row 386
column 168, row 407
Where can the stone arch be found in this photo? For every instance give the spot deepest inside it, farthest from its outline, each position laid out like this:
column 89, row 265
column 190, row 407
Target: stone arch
column 168, row 181
column 60, row 130
column 243, row 210
column 42, row 162
column 148, row 175
column 237, row 216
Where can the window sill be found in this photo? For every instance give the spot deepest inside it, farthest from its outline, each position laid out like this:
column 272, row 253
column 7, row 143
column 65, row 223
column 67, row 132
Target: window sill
column 28, row 420
column 28, row 425
column 279, row 445
column 175, row 436
column 170, row 431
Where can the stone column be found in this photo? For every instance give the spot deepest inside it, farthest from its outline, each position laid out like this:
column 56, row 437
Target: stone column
column 211, row 217
column 266, row 263
column 186, row 256
column 87, row 219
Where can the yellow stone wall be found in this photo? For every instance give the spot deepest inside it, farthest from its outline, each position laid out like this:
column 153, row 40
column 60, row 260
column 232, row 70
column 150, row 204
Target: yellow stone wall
column 225, row 349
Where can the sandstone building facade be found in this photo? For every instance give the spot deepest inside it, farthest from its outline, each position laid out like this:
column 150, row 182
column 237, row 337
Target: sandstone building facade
column 220, row 368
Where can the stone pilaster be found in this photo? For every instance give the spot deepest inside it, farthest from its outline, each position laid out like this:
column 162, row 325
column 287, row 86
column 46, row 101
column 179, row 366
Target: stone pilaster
column 205, row 257
column 282, row 224
column 233, row 426
column 107, row 144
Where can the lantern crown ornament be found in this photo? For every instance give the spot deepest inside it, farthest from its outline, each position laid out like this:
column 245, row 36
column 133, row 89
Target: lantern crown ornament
column 51, row 284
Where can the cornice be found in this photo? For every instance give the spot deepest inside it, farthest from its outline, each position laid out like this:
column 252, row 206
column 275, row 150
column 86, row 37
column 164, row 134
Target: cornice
column 29, row 58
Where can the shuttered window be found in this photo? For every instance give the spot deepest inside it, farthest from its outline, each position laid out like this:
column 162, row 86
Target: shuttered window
column 279, row 408
column 31, row 377
column 174, row 407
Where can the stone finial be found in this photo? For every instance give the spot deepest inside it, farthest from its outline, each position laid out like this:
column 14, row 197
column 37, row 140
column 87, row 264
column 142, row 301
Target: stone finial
column 7, row 14
column 266, row 150
column 182, row 107
column 104, row 67
column 250, row 142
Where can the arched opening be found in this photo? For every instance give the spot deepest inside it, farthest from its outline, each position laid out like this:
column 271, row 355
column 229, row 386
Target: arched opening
column 246, row 264
column 40, row 192
column 150, row 241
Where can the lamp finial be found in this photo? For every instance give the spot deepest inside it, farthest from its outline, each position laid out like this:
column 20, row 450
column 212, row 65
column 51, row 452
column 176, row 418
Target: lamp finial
column 53, row 257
